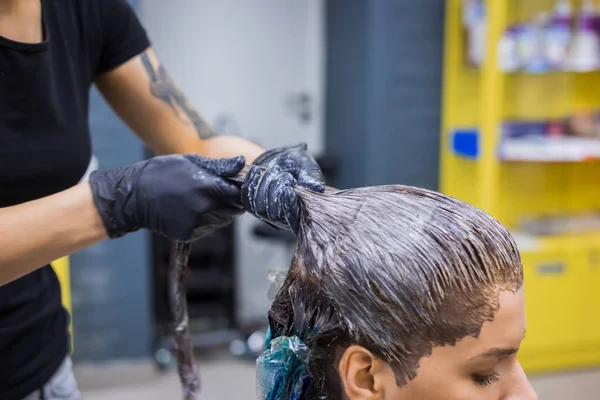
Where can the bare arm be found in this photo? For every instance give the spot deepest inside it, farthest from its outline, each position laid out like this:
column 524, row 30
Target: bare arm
column 38, row 232
column 145, row 97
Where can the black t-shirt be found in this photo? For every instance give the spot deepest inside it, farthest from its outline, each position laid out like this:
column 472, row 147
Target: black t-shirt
column 45, row 148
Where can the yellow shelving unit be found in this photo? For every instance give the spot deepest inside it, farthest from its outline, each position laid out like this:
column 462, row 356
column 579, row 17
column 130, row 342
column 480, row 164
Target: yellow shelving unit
column 562, row 271
column 62, row 269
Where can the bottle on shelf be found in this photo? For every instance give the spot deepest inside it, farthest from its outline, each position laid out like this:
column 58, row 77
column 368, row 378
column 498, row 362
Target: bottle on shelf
column 585, row 53
column 526, row 44
column 475, row 24
column 538, row 62
column 558, row 35
column 508, row 57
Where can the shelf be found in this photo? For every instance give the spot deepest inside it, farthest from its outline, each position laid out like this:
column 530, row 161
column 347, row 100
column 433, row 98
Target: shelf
column 553, row 72
column 534, row 148
column 549, row 149
column 529, row 243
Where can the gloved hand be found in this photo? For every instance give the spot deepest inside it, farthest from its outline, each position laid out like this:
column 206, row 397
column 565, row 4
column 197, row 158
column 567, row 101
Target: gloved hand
column 270, row 195
column 182, row 197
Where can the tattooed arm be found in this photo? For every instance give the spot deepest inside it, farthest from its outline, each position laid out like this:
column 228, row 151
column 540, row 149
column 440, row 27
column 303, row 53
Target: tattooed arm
column 145, row 97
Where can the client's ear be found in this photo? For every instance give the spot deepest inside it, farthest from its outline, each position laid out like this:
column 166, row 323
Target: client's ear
column 363, row 375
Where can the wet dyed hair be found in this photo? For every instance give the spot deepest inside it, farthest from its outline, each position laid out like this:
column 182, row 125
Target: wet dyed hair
column 395, row 269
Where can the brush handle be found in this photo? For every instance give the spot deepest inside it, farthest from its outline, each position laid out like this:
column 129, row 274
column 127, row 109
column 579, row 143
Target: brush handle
column 239, row 178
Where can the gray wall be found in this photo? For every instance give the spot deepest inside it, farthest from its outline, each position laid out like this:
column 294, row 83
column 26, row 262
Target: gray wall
column 383, row 89
column 110, row 281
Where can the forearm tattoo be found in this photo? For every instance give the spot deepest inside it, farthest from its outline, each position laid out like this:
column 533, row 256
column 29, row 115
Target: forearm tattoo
column 163, row 88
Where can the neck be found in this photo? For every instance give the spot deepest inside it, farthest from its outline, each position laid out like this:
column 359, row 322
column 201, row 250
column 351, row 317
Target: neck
column 13, row 6
column 18, row 7
column 21, row 20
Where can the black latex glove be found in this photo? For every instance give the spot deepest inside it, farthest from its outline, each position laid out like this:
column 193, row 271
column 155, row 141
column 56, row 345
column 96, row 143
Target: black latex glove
column 270, row 195
column 182, row 197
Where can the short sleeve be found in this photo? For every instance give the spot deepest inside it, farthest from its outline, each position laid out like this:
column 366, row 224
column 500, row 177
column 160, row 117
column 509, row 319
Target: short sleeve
column 123, row 36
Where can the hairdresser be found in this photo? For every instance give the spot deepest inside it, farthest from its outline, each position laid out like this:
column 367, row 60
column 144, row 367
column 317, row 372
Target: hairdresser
column 51, row 52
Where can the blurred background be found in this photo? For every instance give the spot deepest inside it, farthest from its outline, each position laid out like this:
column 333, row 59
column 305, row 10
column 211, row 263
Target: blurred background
column 494, row 102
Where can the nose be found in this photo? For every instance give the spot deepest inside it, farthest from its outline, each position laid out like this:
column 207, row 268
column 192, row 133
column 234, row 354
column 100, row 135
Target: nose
column 518, row 386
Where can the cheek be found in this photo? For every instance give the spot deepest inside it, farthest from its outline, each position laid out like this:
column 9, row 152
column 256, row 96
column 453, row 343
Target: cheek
column 435, row 380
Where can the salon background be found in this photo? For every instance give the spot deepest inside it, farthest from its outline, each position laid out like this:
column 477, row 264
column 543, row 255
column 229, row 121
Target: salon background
column 496, row 106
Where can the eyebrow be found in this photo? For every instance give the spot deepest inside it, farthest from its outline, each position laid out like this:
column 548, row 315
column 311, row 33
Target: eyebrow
column 498, row 352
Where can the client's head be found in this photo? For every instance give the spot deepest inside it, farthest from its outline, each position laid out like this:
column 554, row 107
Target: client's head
column 397, row 293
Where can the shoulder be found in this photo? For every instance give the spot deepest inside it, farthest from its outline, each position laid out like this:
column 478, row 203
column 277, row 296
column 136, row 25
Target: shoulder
column 97, row 5
column 101, row 20
column 108, row 7
column 91, row 11
column 108, row 30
